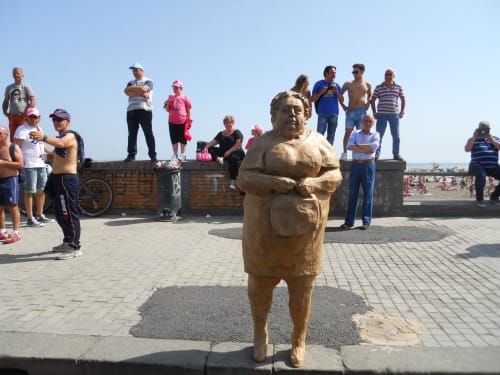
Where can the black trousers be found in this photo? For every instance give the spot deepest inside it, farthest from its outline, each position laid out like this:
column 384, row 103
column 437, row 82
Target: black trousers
column 144, row 118
column 233, row 160
column 63, row 189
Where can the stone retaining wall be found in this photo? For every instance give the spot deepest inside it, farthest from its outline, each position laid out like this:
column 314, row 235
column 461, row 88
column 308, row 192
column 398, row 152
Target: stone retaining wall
column 205, row 187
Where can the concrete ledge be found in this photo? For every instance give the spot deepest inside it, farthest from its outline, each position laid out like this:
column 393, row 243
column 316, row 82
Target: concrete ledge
column 43, row 354
column 385, row 360
column 448, row 208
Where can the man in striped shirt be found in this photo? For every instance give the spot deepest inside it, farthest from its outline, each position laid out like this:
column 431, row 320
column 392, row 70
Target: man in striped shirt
column 484, row 161
column 389, row 93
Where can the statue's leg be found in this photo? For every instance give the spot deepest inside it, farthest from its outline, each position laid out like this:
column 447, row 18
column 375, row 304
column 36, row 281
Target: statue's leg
column 300, row 294
column 260, row 294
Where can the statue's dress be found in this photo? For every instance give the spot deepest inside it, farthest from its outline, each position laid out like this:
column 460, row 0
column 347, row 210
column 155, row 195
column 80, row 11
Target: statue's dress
column 283, row 233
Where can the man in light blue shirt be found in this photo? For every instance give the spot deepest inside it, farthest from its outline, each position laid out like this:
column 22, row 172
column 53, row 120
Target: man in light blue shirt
column 363, row 144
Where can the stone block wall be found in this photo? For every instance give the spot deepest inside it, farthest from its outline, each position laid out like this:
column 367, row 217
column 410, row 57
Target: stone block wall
column 205, row 187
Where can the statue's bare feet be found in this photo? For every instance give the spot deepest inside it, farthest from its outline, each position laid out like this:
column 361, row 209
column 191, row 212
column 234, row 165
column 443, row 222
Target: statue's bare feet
column 297, row 355
column 260, row 347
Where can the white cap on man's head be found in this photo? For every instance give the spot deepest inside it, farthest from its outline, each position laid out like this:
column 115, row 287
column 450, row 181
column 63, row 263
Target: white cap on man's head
column 484, row 124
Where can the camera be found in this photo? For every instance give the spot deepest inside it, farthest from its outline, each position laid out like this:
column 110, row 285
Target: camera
column 482, row 132
column 330, row 87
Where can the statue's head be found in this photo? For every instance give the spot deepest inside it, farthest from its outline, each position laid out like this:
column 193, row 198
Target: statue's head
column 289, row 111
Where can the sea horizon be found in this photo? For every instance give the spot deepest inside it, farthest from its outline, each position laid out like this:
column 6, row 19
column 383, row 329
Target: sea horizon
column 432, row 165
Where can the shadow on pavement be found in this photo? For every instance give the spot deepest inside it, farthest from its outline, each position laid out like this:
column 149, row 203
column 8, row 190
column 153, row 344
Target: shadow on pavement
column 481, row 251
column 222, row 314
column 374, row 235
column 31, row 257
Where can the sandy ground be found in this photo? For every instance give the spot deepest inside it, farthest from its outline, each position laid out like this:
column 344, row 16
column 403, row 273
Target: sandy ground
column 434, row 183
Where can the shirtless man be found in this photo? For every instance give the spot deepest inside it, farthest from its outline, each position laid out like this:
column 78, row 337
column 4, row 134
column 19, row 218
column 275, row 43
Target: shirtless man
column 62, row 184
column 360, row 92
column 9, row 186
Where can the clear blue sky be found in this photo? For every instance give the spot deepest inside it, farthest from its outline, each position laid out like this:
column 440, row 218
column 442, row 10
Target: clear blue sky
column 234, row 56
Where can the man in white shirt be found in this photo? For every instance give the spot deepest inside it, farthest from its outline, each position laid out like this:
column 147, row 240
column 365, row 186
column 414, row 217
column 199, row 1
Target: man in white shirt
column 34, row 165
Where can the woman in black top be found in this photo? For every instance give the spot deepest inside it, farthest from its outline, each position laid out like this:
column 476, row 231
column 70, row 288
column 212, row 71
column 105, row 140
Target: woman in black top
column 230, row 142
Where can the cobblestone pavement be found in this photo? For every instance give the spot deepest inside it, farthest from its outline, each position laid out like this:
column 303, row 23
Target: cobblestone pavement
column 451, row 285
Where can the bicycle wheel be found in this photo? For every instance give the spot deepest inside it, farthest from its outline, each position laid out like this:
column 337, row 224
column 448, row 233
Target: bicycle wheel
column 95, row 196
column 48, row 202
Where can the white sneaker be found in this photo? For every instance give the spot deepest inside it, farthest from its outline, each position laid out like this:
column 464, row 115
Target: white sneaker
column 220, row 160
column 173, row 158
column 32, row 222
column 183, row 158
column 73, row 253
column 343, row 156
column 62, row 248
column 44, row 219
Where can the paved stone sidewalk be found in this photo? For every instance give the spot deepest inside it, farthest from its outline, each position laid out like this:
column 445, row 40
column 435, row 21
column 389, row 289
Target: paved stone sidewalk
column 451, row 286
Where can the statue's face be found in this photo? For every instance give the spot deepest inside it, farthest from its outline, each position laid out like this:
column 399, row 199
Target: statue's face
column 290, row 118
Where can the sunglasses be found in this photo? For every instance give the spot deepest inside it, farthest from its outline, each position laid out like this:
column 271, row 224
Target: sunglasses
column 57, row 119
column 388, row 74
column 33, row 117
column 355, row 71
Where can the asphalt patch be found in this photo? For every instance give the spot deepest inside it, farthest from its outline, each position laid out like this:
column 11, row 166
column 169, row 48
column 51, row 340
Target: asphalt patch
column 222, row 314
column 374, row 235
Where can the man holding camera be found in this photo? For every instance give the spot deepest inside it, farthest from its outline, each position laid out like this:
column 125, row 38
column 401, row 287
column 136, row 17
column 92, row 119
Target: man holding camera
column 484, row 161
column 325, row 95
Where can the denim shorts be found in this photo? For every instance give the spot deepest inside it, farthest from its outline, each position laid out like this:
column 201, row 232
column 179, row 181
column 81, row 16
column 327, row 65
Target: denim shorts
column 36, row 178
column 354, row 118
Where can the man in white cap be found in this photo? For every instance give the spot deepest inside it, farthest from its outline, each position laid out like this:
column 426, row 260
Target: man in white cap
column 140, row 112
column 34, row 165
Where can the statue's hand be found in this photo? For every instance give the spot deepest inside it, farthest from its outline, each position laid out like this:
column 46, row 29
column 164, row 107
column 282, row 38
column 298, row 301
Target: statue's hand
column 304, row 187
column 284, row 184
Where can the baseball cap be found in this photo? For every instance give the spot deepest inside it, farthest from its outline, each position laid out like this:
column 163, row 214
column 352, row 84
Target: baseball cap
column 177, row 83
column 32, row 111
column 136, row 66
column 258, row 129
column 486, row 124
column 60, row 113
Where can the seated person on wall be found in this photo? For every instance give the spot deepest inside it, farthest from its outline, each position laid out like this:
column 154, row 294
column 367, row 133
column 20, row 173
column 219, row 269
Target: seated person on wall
column 484, row 161
column 230, row 141
column 289, row 175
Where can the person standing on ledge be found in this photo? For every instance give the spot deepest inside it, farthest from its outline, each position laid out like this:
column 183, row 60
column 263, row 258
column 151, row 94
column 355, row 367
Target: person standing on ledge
column 140, row 112
column 484, row 161
column 387, row 110
column 363, row 144
column 18, row 98
column 325, row 95
column 360, row 92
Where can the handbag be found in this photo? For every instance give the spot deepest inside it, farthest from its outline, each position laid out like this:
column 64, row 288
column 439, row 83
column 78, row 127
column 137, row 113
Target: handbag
column 203, row 156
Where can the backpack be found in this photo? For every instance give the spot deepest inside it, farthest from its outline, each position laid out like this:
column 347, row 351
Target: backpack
column 81, row 146
column 22, row 172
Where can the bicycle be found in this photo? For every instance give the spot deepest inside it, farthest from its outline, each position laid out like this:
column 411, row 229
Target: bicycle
column 94, row 198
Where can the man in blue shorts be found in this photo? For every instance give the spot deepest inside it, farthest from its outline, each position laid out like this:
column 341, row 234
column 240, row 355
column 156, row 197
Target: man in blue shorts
column 325, row 95
column 360, row 92
column 9, row 185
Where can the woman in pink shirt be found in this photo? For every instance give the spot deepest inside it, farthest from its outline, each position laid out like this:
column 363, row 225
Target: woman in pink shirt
column 256, row 132
column 178, row 107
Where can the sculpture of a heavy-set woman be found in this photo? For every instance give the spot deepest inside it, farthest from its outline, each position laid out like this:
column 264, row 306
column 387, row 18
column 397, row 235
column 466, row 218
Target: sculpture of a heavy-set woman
column 288, row 175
